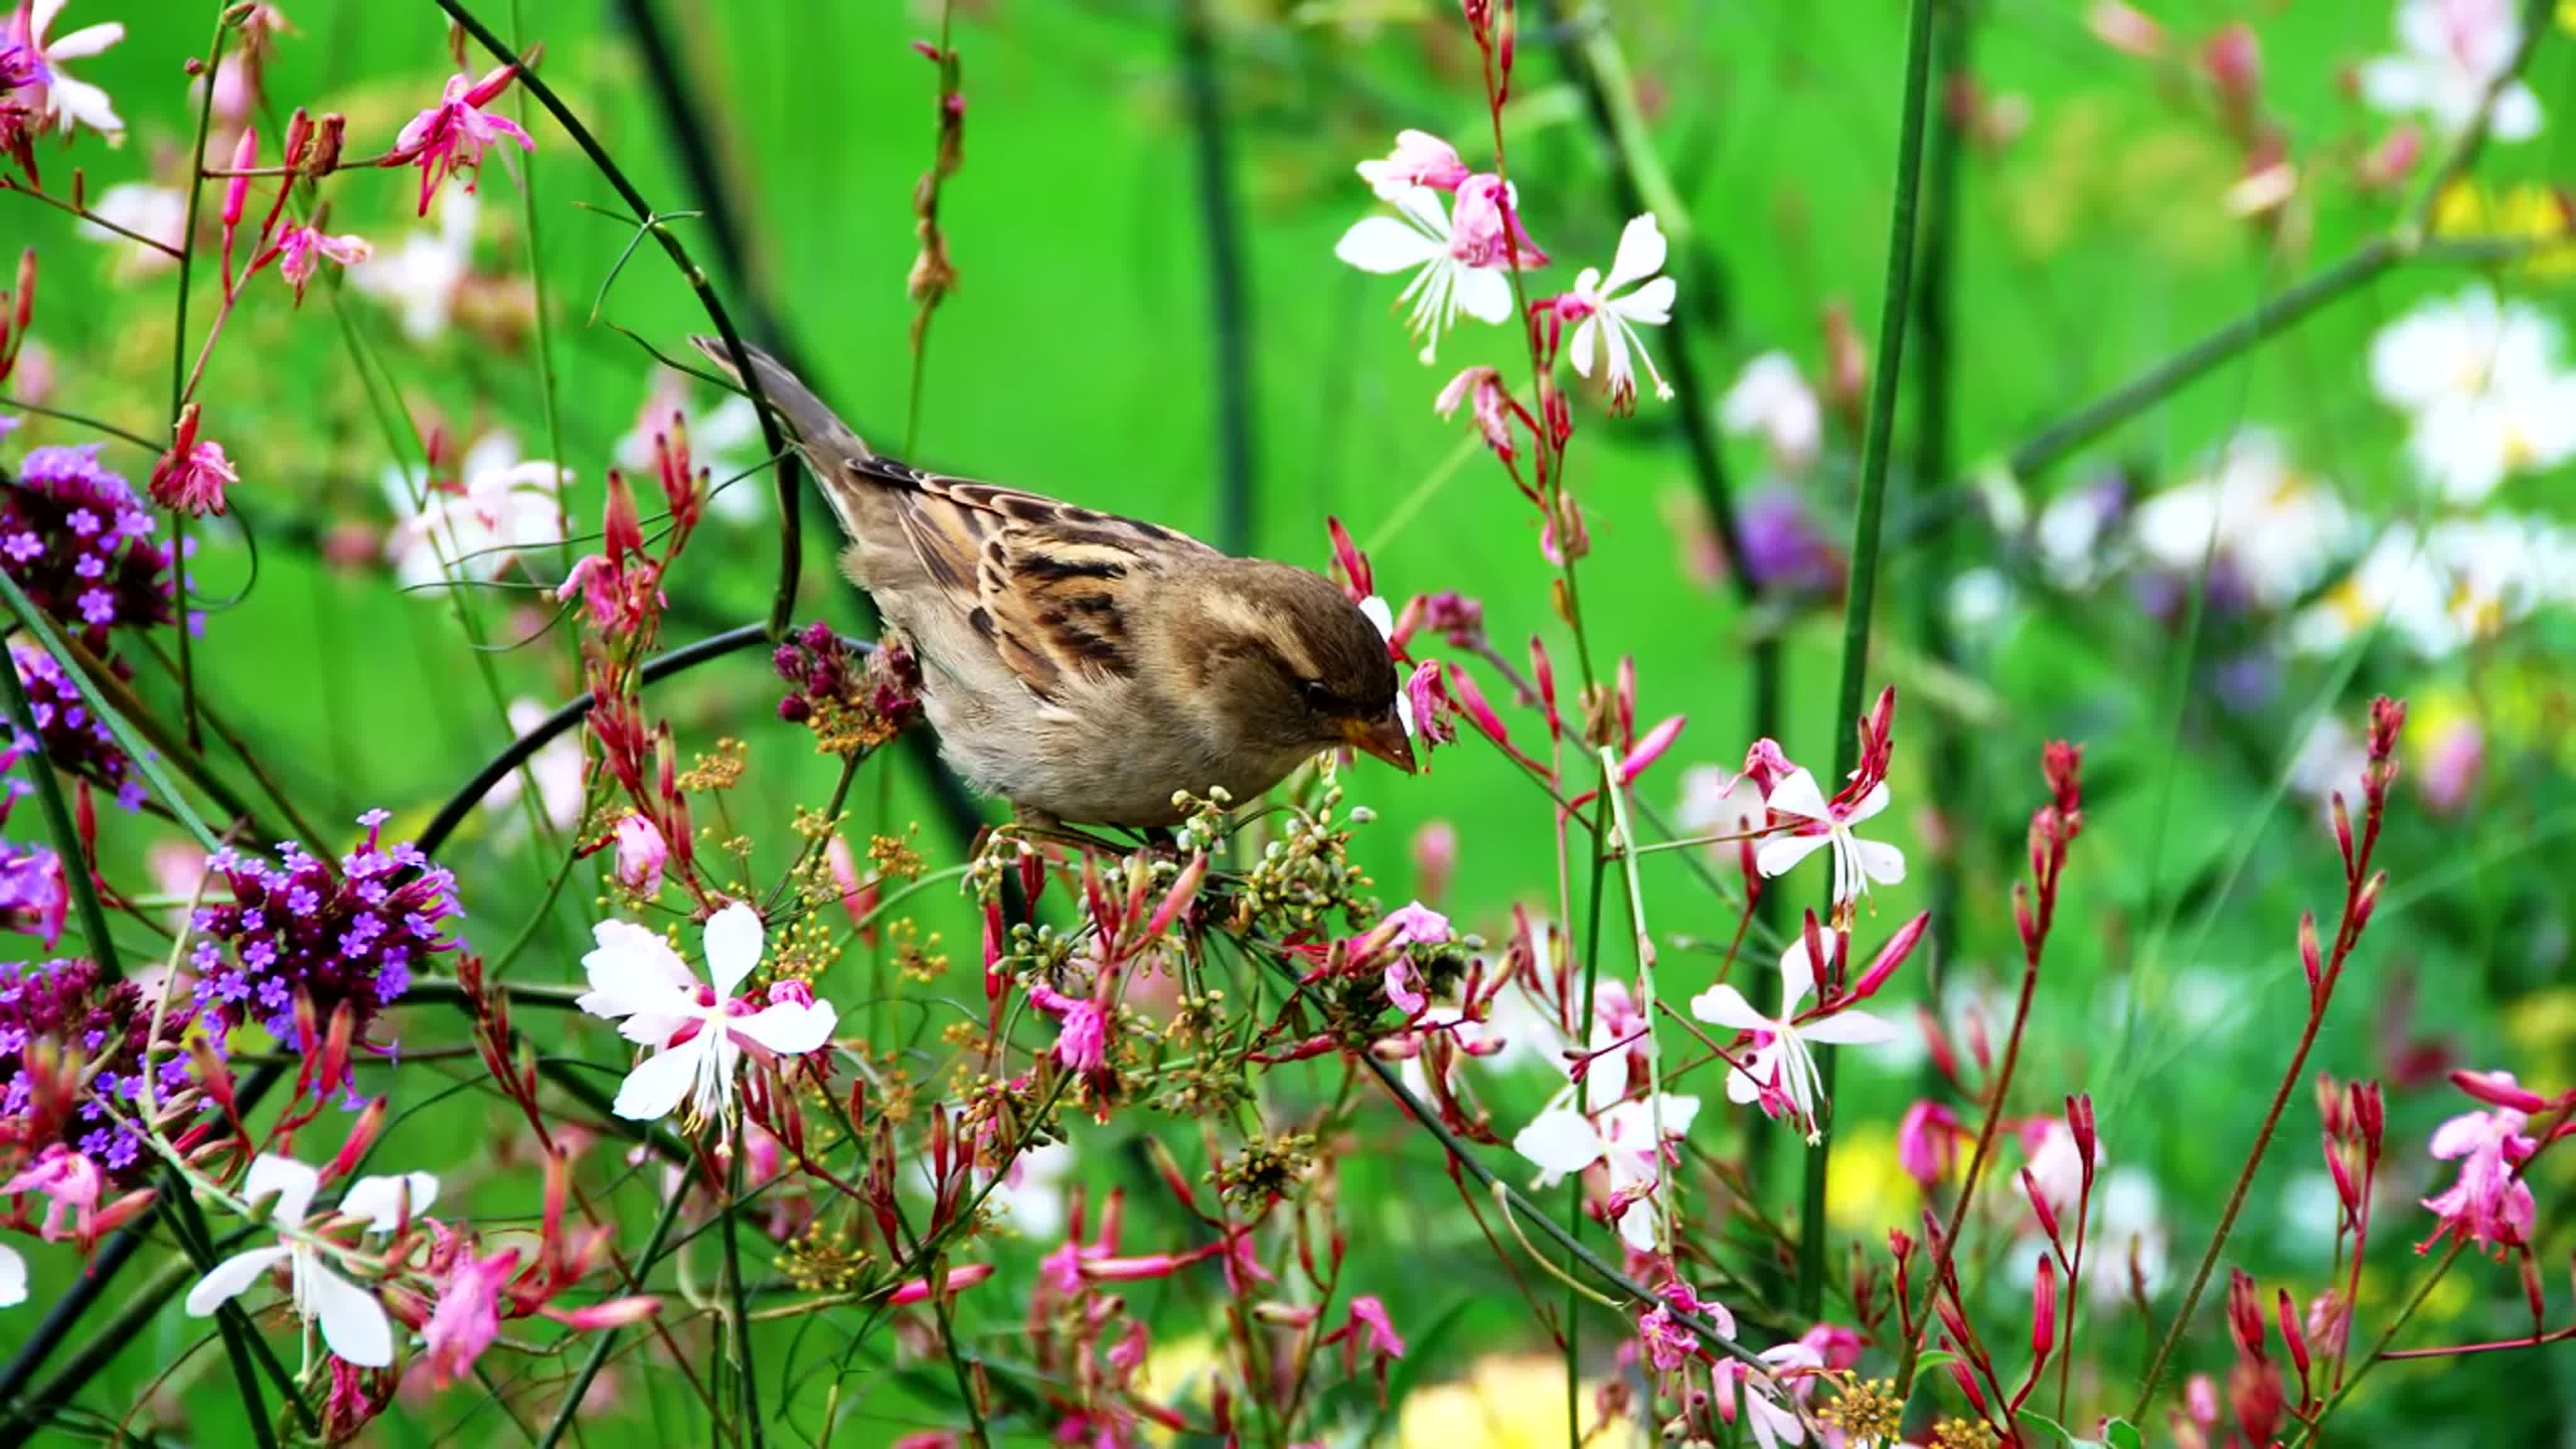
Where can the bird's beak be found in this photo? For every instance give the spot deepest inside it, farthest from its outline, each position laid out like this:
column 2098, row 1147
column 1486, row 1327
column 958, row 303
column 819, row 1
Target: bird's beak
column 1383, row 737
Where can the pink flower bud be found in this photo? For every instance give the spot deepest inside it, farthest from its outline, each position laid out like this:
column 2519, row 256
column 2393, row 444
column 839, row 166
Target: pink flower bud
column 641, row 854
column 237, row 189
column 956, row 1279
column 1890, row 956
column 2043, row 1307
column 2499, row 1089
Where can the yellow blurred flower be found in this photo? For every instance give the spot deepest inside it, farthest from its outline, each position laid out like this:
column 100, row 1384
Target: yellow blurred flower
column 1507, row 1401
column 1866, row 1189
column 2526, row 211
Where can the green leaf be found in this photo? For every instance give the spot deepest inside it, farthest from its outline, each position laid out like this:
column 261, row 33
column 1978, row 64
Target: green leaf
column 2121, row 1434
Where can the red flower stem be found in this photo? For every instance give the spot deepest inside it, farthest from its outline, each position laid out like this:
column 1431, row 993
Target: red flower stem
column 2502, row 1345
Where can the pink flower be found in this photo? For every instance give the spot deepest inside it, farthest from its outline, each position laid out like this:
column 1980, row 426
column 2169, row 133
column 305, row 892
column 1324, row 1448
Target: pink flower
column 302, row 250
column 1082, row 1038
column 2490, row 1204
column 1492, row 406
column 1927, row 1142
column 1668, row 1345
column 63, row 100
column 1419, row 159
column 1412, row 924
column 71, row 1182
column 641, row 854
column 449, row 138
column 468, row 1313
column 193, row 475
column 1486, row 229
column 1457, row 261
column 1608, row 311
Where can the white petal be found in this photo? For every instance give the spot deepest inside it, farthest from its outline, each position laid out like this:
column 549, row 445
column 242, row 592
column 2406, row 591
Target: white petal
column 1637, row 1224
column 2516, row 116
column 88, row 40
column 41, row 18
column 1744, row 1084
column 1678, row 1114
column 1848, row 1028
column 353, row 1322
column 228, row 1278
column 13, row 1277
column 382, row 1200
column 2393, row 83
column 1560, row 1141
column 1641, row 253
column 1880, row 861
column 84, row 103
column 1379, row 615
column 1723, row 1005
column 290, row 1181
column 631, row 958
column 1584, row 333
column 1796, row 794
column 1868, row 805
column 1781, row 853
column 662, row 1081
column 1384, row 244
column 1651, row 304
column 1484, row 294
column 734, row 941
column 789, row 1029
column 1797, row 975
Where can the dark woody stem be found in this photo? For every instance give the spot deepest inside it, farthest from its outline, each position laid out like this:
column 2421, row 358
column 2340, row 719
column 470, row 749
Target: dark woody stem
column 791, row 538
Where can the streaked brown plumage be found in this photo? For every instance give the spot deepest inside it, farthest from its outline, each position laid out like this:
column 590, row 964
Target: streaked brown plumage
column 1085, row 666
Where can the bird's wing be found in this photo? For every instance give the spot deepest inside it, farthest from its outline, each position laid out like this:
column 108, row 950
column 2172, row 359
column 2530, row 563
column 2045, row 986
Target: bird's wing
column 1049, row 586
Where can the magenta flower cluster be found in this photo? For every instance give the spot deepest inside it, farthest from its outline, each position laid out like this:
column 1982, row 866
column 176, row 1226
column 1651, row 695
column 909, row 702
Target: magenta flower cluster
column 352, row 935
column 76, row 737
column 79, row 542
column 104, row 1023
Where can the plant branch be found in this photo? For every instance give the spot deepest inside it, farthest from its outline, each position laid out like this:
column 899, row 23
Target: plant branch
column 1228, row 313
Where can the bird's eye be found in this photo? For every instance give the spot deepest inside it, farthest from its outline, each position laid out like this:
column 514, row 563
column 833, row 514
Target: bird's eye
column 1318, row 698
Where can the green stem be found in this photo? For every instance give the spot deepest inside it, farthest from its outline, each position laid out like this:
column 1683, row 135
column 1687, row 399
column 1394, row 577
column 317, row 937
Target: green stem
column 747, row 1401
column 179, row 367
column 1877, row 444
column 579, row 1389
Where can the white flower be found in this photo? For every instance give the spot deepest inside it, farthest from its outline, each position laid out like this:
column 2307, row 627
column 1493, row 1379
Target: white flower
column 2274, row 528
column 1611, row 317
column 2449, row 52
column 724, row 439
column 1561, row 1141
column 1031, row 1194
column 2131, row 1229
column 158, row 212
column 2463, row 580
column 507, row 506
column 13, row 1277
column 2483, row 385
column 69, row 102
column 698, row 1033
column 1445, row 281
column 420, row 278
column 353, row 1323
column 1772, row 400
column 558, row 768
column 1774, row 1421
column 1783, row 1066
column 1857, row 862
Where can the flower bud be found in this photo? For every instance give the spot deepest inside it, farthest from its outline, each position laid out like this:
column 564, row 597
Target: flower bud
column 237, row 189
column 2043, row 1307
column 2311, row 959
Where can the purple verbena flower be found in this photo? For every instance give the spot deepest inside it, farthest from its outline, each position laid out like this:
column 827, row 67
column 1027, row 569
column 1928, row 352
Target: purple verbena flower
column 105, row 1023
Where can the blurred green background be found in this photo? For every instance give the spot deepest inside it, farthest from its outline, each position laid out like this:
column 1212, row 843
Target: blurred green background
column 1077, row 357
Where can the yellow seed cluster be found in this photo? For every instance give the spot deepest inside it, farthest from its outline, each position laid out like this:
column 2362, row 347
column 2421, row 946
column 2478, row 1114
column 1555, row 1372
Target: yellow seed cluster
column 894, row 855
column 823, row 1260
column 716, row 769
column 1265, row 1170
column 1962, row 1434
column 802, row 949
column 916, row 956
column 845, row 729
column 1868, row 1412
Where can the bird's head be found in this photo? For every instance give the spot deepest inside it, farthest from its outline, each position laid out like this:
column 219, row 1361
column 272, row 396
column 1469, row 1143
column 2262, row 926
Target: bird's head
column 1301, row 667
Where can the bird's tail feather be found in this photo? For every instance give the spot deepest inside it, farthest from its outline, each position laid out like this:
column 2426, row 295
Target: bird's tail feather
column 827, row 440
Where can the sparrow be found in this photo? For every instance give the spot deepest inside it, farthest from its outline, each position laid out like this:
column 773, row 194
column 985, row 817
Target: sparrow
column 1084, row 666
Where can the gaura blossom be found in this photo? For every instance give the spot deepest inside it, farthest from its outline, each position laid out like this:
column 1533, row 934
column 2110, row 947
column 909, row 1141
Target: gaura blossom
column 2442, row 588
column 1771, row 400
column 2266, row 529
column 1781, row 1074
column 1490, row 403
column 192, row 476
column 1561, row 1140
column 1457, row 265
column 449, row 138
column 303, row 249
column 354, row 1325
column 502, row 506
column 2482, row 383
column 2489, row 1205
column 557, row 767
column 1857, row 862
column 2449, row 53
column 67, row 102
column 70, row 1183
column 1082, row 1035
column 1667, row 1343
column 1774, row 1420
column 467, row 1316
column 641, row 854
column 1419, row 159
column 1606, row 317
column 698, row 1032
